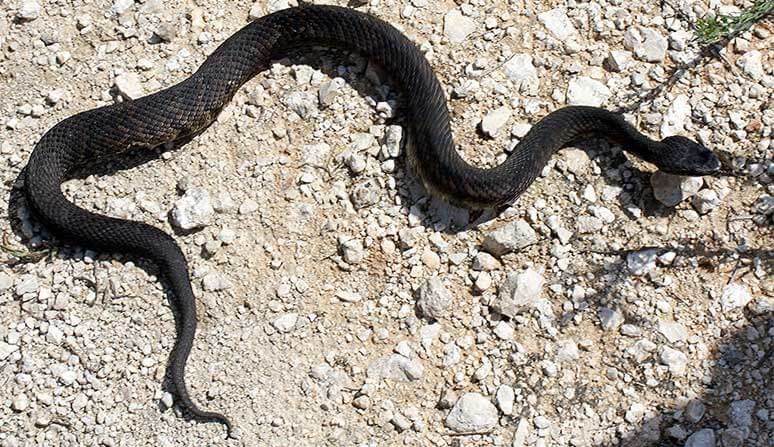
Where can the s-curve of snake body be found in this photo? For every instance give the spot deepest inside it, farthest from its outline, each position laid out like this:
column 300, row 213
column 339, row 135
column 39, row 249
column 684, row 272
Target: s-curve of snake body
column 189, row 107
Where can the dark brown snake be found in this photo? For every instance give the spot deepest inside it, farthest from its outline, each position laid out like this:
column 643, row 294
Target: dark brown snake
column 191, row 106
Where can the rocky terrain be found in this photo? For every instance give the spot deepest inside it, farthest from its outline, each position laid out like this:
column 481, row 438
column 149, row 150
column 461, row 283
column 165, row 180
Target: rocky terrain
column 341, row 305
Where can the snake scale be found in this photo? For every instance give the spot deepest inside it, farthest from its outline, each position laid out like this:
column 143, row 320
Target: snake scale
column 187, row 108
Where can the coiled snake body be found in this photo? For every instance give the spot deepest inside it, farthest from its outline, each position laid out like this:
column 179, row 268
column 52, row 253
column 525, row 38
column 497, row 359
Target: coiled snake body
column 190, row 106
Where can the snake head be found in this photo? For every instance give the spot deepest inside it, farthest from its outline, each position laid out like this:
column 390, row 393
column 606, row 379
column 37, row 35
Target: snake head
column 684, row 156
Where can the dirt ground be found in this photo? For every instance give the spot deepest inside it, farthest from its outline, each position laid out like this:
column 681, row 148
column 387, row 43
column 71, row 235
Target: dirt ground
column 643, row 322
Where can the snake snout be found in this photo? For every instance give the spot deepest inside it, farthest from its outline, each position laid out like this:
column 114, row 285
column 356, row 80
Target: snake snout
column 687, row 157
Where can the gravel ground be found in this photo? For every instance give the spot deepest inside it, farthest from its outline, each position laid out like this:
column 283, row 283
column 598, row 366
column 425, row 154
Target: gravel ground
column 339, row 305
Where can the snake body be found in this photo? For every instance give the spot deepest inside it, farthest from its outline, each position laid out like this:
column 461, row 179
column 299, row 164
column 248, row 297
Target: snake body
column 188, row 107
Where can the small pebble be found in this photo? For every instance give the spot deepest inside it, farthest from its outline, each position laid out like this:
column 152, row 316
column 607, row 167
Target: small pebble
column 472, row 413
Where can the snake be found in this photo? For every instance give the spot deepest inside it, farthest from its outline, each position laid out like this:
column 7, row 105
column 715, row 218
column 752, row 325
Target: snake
column 190, row 106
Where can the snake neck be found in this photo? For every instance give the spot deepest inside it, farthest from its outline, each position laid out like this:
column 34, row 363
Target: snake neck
column 477, row 188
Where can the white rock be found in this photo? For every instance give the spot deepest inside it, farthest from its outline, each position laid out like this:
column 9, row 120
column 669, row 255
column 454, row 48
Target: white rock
column 646, row 43
column 249, row 206
column 702, row 438
column 167, row 399
column 329, row 90
column 277, row 5
column 214, row 281
column 485, row 262
column 193, row 210
column 520, row 70
column 361, row 402
column 494, row 121
column 483, row 281
column 520, row 130
column 396, row 367
column 79, row 403
column 520, row 438
column 705, row 201
column 466, row 88
column 735, row 296
column 619, row 60
column 68, row 376
column 763, row 305
column 362, row 141
column 6, row 282
column 678, row 40
column 6, row 350
column 694, row 411
column 642, row 262
column 585, row 91
column 364, row 195
column 591, row 196
column 558, row 24
column 576, row 160
column 256, row 11
column 401, row 422
column 121, row 6
column 404, row 348
column 286, row 322
column 740, row 412
column 602, row 213
column 393, row 135
column 519, row 292
column 348, row 297
column 21, row 402
column 54, row 335
column 751, row 63
column 676, row 117
column 27, row 284
column 513, row 236
column 672, row 189
column 589, row 224
column 62, row 57
column 610, row 319
column 166, row 32
column 472, row 413
column 567, row 351
column 505, row 397
column 122, row 207
column 356, row 163
column 28, row 10
column 504, row 331
column 673, row 331
column 128, row 85
column 304, row 104
column 434, row 299
column 734, row 437
column 555, row 225
column 674, row 359
column 457, row 27
column 635, row 413
column 541, row 422
column 352, row 250
column 227, row 236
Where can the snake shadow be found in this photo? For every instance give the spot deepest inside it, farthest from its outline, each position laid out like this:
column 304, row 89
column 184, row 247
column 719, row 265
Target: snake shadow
column 690, row 254
column 741, row 362
column 729, row 401
column 742, row 359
